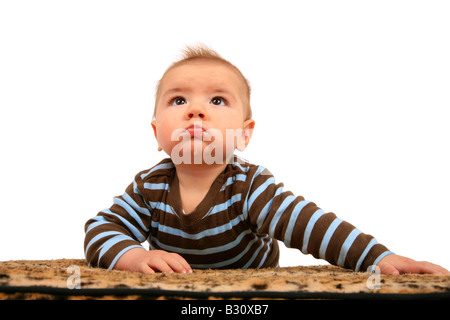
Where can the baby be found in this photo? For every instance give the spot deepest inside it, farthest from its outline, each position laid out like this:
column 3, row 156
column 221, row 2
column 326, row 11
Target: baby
column 204, row 207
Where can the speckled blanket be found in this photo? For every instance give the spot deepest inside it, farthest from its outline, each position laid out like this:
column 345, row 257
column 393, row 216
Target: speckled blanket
column 73, row 279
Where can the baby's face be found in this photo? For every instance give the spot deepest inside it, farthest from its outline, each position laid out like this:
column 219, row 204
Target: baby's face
column 202, row 99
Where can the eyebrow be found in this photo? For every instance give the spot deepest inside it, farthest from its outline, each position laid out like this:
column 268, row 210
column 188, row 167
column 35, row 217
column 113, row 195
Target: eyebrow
column 174, row 90
column 187, row 89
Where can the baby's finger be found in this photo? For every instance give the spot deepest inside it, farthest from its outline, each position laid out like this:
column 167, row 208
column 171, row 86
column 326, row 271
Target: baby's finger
column 185, row 264
column 428, row 267
column 145, row 268
column 177, row 263
column 161, row 265
column 387, row 268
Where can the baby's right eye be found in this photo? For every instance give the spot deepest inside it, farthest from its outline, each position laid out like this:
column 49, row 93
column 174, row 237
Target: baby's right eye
column 177, row 101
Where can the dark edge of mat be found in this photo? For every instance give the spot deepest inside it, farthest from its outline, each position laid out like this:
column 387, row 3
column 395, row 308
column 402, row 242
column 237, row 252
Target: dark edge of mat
column 290, row 295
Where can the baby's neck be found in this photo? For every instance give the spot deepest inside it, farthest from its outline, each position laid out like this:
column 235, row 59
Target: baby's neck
column 195, row 182
column 194, row 176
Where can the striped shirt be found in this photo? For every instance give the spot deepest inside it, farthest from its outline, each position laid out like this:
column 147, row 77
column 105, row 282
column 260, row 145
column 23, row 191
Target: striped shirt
column 236, row 225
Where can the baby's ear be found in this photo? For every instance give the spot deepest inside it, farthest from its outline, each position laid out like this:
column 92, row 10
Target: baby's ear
column 156, row 136
column 247, row 133
column 154, row 127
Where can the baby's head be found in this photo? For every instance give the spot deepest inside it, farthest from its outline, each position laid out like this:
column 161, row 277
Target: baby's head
column 206, row 98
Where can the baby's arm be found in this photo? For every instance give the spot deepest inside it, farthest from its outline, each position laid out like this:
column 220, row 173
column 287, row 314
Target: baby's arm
column 301, row 224
column 113, row 237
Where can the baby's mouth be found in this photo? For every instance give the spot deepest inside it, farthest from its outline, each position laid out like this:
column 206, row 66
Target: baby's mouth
column 195, row 130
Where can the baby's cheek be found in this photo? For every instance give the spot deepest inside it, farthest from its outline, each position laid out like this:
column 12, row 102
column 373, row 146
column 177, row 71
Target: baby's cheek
column 166, row 138
column 235, row 139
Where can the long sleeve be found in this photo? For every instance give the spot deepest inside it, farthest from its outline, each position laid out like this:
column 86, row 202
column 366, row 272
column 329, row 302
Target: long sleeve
column 301, row 224
column 118, row 229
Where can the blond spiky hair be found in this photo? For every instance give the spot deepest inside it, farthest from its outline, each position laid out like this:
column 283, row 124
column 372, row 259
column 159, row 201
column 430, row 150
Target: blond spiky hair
column 203, row 52
column 199, row 51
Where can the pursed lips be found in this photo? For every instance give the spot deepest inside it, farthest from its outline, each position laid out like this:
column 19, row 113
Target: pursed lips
column 195, row 130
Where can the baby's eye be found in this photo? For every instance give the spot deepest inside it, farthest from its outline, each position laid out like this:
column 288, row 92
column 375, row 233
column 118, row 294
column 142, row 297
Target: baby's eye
column 178, row 101
column 218, row 101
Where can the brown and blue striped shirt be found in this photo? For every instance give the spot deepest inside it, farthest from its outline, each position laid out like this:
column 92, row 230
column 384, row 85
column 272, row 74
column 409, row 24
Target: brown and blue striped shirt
column 235, row 226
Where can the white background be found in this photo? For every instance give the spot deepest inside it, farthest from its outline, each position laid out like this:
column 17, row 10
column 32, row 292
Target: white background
column 351, row 101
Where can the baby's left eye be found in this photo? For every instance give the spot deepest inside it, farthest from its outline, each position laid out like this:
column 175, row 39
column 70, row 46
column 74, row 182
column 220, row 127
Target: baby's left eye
column 218, row 101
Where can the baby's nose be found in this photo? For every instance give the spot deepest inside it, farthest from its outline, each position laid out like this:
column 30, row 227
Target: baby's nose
column 196, row 115
column 195, row 111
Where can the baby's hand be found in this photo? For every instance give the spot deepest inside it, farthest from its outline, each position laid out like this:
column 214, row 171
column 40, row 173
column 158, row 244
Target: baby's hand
column 395, row 264
column 141, row 260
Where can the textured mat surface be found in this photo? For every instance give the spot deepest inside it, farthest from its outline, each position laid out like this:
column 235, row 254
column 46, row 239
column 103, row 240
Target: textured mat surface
column 73, row 279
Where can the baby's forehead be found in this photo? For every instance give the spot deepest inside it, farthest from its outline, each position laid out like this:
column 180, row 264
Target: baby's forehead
column 209, row 74
column 211, row 68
